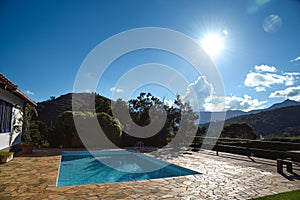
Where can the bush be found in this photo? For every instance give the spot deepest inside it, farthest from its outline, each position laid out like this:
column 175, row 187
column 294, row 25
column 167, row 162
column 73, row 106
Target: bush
column 238, row 130
column 65, row 134
column 111, row 127
column 285, row 139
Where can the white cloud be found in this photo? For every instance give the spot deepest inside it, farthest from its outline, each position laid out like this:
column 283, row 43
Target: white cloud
column 292, row 74
column 295, row 60
column 265, row 68
column 245, row 103
column 265, row 76
column 29, row 92
column 118, row 90
column 215, row 107
column 198, row 93
column 201, row 96
column 260, row 89
column 255, row 79
column 292, row 93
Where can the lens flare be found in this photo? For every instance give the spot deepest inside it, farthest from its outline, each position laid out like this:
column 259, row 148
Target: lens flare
column 272, row 23
column 225, row 32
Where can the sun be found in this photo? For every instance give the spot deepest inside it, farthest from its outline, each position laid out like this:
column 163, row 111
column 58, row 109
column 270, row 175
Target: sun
column 212, row 44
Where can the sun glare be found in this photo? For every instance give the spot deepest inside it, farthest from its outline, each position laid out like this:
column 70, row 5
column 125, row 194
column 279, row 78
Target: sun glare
column 212, row 44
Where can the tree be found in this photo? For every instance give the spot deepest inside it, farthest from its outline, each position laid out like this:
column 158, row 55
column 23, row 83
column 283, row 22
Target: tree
column 238, row 130
column 27, row 115
column 64, row 130
column 65, row 133
column 139, row 110
column 184, row 118
column 179, row 117
column 38, row 132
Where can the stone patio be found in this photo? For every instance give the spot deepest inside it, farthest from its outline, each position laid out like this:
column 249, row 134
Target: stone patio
column 226, row 176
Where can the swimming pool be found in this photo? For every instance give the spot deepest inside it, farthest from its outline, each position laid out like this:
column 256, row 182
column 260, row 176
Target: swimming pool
column 83, row 167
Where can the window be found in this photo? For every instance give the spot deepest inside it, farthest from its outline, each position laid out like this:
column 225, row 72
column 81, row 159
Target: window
column 5, row 116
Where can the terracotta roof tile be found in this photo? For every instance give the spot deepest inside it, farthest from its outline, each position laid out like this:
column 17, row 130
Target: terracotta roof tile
column 8, row 82
column 14, row 89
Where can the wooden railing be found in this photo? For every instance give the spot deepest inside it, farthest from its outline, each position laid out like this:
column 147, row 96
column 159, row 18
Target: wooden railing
column 258, row 148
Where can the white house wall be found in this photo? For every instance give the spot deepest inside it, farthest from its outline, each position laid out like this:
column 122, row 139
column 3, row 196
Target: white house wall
column 5, row 138
column 11, row 98
column 16, row 121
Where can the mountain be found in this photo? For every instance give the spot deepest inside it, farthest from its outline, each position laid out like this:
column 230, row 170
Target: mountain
column 282, row 121
column 49, row 110
column 285, row 103
column 205, row 117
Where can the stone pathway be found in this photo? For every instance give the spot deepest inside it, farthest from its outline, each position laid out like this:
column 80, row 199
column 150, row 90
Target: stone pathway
column 222, row 177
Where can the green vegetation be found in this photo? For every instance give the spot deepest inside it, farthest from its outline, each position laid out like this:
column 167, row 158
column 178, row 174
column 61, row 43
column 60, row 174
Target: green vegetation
column 238, row 130
column 28, row 113
column 62, row 132
column 5, row 153
column 139, row 109
column 293, row 195
column 111, row 127
column 55, row 126
column 6, row 156
column 295, row 139
column 281, row 122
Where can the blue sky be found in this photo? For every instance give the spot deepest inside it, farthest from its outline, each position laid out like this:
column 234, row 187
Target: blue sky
column 43, row 44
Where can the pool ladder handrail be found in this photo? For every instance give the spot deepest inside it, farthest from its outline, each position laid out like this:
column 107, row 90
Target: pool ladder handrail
column 139, row 146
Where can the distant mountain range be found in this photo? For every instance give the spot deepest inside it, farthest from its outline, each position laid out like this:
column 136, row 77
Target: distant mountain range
column 205, row 117
column 277, row 121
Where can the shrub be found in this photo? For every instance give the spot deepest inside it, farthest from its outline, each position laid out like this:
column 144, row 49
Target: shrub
column 238, row 130
column 65, row 134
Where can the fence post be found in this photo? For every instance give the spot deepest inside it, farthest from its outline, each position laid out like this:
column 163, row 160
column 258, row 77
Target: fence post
column 247, row 146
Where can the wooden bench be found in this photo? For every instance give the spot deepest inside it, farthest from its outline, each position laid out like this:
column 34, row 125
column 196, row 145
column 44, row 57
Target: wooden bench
column 288, row 163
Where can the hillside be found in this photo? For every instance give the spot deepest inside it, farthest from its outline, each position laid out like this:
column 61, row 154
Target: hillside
column 277, row 122
column 49, row 110
column 285, row 103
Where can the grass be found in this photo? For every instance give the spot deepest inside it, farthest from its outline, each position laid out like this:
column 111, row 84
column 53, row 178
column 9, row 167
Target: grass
column 293, row 195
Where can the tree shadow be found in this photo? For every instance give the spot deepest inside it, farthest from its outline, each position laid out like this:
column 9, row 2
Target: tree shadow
column 43, row 152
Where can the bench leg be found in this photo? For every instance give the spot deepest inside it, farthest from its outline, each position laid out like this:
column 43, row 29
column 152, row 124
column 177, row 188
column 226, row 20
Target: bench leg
column 279, row 167
column 289, row 167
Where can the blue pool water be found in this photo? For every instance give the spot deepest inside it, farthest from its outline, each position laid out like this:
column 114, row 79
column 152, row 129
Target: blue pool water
column 82, row 167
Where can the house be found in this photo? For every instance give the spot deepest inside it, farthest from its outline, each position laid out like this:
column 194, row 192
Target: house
column 12, row 102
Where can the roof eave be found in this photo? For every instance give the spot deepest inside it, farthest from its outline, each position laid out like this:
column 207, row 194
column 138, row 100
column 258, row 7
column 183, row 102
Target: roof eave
column 24, row 97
